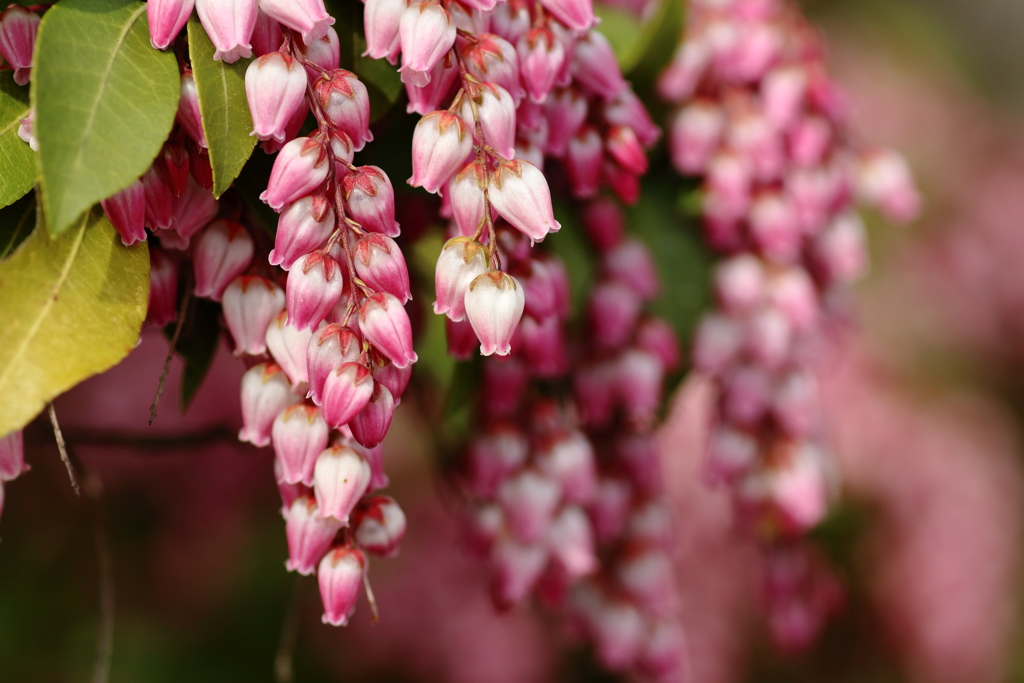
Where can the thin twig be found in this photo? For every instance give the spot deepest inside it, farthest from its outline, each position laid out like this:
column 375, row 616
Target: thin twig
column 284, row 670
column 62, row 447
column 185, row 300
column 105, row 639
column 369, row 596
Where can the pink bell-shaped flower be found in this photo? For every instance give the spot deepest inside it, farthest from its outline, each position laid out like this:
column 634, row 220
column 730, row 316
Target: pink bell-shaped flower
column 494, row 456
column 496, row 111
column 380, row 22
column 340, row 576
column 300, row 168
column 304, row 226
column 492, row 58
column 325, row 52
column 631, row 263
column 265, row 393
column 541, row 58
column 576, row 14
column 696, row 134
column 380, row 526
column 346, row 391
column 370, row 200
column 250, row 303
column 394, row 378
column 370, row 425
column 583, row 162
column 657, row 337
column 380, row 264
column 519, row 193
column 328, row 349
column 462, row 260
column 569, row 460
column 517, row 568
column 188, row 109
column 12, row 456
column 340, row 479
column 309, row 535
column 275, row 85
column 595, row 66
column 623, row 146
column 613, row 310
column 570, row 540
column 314, row 286
column 466, row 194
column 347, row 104
column 193, row 210
column 163, row 288
column 166, row 19
column 299, row 434
column 18, row 28
column 440, row 145
column 424, row 99
column 288, row 345
column 494, row 305
column 308, row 17
column 230, row 24
column 565, row 111
column 221, row 253
column 126, row 211
column 267, row 35
column 175, row 162
column 529, row 500
column 427, row 33
column 385, row 324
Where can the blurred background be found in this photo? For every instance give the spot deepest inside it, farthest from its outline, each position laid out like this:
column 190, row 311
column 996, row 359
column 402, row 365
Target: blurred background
column 174, row 557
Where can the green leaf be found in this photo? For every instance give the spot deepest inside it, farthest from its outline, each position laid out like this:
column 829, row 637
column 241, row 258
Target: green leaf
column 104, row 100
column 197, row 345
column 223, row 106
column 633, row 37
column 16, row 223
column 17, row 160
column 71, row 307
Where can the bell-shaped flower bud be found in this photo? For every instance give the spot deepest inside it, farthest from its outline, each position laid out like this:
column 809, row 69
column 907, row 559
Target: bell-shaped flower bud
column 370, row 200
column 126, row 211
column 188, row 109
column 631, row 263
column 576, row 14
column 328, row 349
column 304, row 226
column 308, row 17
column 427, row 98
column 466, row 193
column 394, row 378
column 544, row 346
column 347, row 104
column 175, row 162
column 739, row 283
column 520, row 194
column 427, row 34
column 314, row 286
column 884, row 180
column 604, row 223
column 200, row 168
column 496, row 112
column 163, row 288
column 380, row 264
column 340, row 577
column 541, row 58
column 583, row 162
column 193, row 210
column 384, row 323
column 569, row 460
column 300, row 168
column 299, row 434
column 325, row 52
column 696, row 135
column 638, row 386
column 462, row 260
column 380, row 22
column 657, row 337
column 494, row 456
column 440, row 145
column 649, row 578
column 380, row 526
column 12, row 456
column 595, row 66
column 529, row 500
column 346, row 391
column 370, row 425
column 340, row 479
column 267, row 35
column 510, row 20
column 166, row 19
column 565, row 111
column 275, row 85
column 249, row 304
column 517, row 568
column 230, row 24
column 288, row 344
column 614, row 309
column 540, row 289
column 221, row 253
column 265, row 393
column 610, row 507
column 624, row 183
column 716, row 344
column 18, row 28
column 623, row 146
column 309, row 535
column 492, row 58
column 570, row 540
column 494, row 305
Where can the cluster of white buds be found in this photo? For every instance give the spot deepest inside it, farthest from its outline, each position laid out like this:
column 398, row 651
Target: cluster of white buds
column 761, row 122
column 320, row 318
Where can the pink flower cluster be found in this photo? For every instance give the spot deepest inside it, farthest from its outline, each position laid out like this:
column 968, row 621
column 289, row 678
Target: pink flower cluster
column 321, row 320
column 12, row 461
column 761, row 122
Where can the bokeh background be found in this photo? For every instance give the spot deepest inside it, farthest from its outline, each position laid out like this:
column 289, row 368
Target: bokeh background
column 174, row 557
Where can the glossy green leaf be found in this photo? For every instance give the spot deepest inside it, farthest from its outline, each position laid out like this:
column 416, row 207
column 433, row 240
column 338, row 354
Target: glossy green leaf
column 71, row 307
column 16, row 224
column 17, row 160
column 197, row 344
column 633, row 37
column 104, row 99
column 223, row 106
